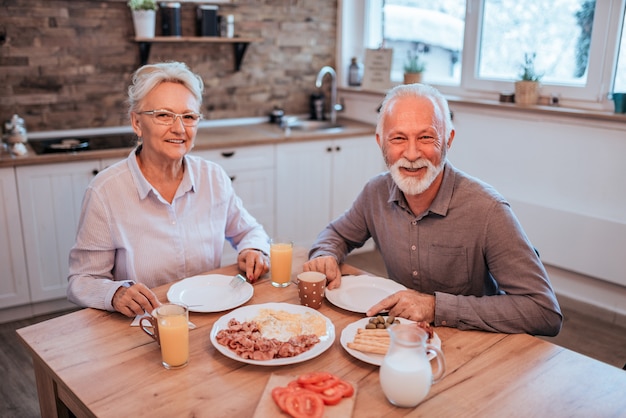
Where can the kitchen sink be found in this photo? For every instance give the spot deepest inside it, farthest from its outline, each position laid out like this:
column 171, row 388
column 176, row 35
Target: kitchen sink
column 313, row 125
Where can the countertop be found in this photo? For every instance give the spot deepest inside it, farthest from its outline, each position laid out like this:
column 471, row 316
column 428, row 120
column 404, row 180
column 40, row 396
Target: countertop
column 211, row 135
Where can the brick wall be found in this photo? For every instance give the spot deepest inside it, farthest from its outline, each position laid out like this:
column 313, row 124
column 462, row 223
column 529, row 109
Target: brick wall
column 67, row 64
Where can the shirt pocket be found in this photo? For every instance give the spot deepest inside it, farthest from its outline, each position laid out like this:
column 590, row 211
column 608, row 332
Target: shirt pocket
column 448, row 269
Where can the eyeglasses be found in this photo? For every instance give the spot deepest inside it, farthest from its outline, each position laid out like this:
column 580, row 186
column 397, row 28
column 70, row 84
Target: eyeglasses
column 165, row 117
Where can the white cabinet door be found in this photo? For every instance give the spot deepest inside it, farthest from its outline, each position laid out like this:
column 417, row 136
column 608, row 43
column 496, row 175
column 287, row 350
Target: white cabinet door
column 355, row 161
column 303, row 190
column 318, row 180
column 252, row 171
column 50, row 200
column 13, row 277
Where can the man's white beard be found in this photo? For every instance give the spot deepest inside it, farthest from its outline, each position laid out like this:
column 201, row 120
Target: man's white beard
column 413, row 185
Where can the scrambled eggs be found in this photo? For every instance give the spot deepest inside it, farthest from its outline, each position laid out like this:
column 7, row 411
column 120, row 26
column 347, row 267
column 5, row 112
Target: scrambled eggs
column 283, row 325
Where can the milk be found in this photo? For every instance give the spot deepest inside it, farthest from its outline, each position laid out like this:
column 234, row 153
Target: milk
column 405, row 378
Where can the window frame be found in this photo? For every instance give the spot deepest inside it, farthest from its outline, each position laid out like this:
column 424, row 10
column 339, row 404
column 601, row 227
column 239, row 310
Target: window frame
column 357, row 36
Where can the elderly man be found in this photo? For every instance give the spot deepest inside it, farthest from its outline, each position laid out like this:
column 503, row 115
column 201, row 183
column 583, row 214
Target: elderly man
column 451, row 239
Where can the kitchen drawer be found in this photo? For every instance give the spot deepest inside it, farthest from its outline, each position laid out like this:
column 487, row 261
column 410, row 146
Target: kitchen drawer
column 238, row 159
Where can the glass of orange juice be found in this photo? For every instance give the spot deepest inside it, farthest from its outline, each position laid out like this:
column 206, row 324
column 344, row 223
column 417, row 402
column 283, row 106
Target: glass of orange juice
column 170, row 328
column 281, row 252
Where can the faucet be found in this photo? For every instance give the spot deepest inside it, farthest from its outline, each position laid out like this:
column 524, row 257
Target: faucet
column 334, row 106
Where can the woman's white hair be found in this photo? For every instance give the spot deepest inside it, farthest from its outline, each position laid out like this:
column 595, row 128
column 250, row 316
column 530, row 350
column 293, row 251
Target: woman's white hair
column 149, row 76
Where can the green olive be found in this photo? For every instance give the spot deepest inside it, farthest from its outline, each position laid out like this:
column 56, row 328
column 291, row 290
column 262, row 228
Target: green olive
column 370, row 326
column 391, row 319
column 380, row 326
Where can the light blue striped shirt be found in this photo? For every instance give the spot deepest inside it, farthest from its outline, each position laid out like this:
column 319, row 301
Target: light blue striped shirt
column 127, row 231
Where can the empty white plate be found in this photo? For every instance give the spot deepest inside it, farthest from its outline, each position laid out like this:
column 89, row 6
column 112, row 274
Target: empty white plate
column 359, row 293
column 209, row 293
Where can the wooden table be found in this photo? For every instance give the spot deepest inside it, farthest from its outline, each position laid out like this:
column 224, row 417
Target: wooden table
column 95, row 364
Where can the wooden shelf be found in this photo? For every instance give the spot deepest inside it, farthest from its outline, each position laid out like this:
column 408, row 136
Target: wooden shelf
column 239, row 45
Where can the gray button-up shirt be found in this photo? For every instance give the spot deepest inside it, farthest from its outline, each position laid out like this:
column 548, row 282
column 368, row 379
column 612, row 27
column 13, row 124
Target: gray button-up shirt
column 468, row 249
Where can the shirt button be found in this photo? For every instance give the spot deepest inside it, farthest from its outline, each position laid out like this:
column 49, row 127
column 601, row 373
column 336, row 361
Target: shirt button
column 413, row 247
column 414, row 273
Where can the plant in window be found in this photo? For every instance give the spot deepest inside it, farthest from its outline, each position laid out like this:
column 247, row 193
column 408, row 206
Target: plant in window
column 527, row 87
column 144, row 17
column 528, row 69
column 414, row 66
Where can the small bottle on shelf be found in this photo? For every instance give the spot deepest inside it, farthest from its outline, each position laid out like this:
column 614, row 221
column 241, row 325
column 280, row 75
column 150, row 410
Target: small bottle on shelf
column 355, row 73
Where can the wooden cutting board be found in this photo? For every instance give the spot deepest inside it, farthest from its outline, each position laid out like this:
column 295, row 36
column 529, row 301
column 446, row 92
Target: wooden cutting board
column 268, row 408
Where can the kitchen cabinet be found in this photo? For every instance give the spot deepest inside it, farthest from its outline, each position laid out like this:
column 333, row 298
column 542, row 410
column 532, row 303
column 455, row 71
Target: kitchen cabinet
column 252, row 171
column 316, row 181
column 50, row 197
column 13, row 276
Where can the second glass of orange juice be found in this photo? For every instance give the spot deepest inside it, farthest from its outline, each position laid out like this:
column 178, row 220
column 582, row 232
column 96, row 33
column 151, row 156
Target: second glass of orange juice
column 281, row 252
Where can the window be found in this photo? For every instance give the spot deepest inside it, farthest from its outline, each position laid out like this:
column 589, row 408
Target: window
column 477, row 47
column 432, row 30
column 620, row 72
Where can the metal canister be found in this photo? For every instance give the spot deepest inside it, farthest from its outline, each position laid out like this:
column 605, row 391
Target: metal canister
column 206, row 20
column 171, row 19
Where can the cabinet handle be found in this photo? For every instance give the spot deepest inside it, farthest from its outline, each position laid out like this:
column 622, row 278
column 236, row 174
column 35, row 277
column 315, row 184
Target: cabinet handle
column 228, row 154
column 338, row 148
column 329, row 149
column 232, row 178
column 95, row 171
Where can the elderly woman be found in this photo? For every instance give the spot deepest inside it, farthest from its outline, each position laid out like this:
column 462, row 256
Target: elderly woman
column 160, row 215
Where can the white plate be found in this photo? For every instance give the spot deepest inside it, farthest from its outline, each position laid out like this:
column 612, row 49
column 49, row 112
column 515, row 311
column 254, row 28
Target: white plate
column 359, row 293
column 348, row 333
column 246, row 313
column 209, row 293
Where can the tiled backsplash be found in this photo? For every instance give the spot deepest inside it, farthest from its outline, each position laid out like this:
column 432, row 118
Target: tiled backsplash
column 66, row 64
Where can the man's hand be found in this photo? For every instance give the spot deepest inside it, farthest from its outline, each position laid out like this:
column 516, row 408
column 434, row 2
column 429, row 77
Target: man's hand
column 254, row 263
column 408, row 304
column 327, row 265
column 134, row 300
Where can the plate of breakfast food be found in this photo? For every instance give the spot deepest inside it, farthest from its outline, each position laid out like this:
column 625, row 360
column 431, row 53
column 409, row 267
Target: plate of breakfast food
column 209, row 293
column 359, row 293
column 273, row 334
column 370, row 346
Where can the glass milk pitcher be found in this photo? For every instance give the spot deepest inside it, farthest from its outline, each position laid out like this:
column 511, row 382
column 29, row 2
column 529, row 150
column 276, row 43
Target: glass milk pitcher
column 406, row 374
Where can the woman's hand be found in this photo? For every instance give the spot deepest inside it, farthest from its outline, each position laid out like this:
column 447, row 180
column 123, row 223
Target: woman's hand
column 408, row 304
column 134, row 300
column 254, row 263
column 327, row 265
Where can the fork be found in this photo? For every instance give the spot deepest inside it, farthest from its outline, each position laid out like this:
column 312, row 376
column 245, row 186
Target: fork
column 237, row 281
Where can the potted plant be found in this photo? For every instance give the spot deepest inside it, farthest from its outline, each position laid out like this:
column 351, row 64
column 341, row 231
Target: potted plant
column 144, row 17
column 413, row 68
column 527, row 87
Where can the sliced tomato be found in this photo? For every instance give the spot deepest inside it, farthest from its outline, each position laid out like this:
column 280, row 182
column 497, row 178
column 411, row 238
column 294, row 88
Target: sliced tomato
column 304, row 404
column 315, row 377
column 332, row 395
column 279, row 395
column 346, row 388
column 294, row 385
column 323, row 384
